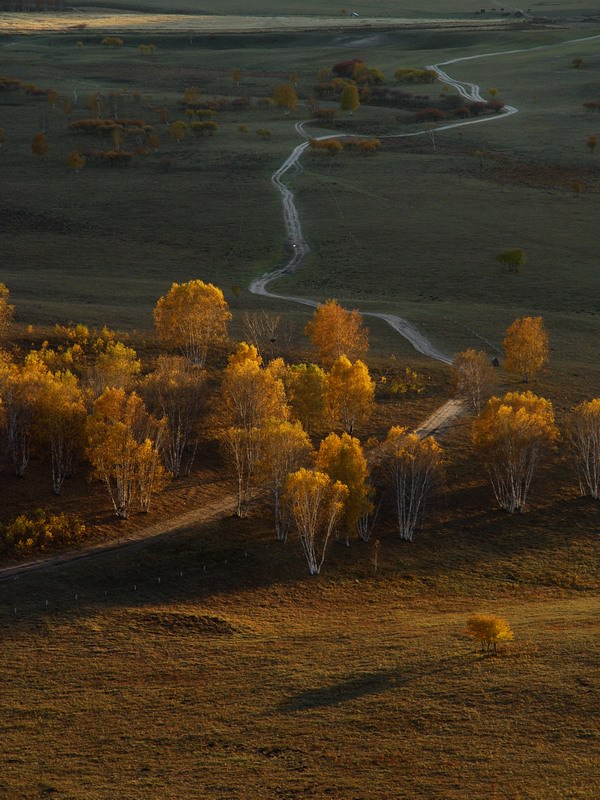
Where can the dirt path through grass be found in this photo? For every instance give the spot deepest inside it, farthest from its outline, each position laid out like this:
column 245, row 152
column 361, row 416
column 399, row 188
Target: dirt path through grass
column 210, row 512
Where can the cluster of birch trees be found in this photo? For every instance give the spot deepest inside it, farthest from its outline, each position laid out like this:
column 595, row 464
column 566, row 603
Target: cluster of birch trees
column 286, row 431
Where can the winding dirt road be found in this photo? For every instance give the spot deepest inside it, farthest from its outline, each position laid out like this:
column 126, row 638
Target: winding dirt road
column 469, row 91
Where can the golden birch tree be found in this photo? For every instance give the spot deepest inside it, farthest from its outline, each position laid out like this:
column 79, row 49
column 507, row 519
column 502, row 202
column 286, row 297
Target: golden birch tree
column 349, row 394
column 473, row 377
column 285, row 447
column 60, row 423
column 342, row 458
column 584, row 434
column 123, row 448
column 334, row 332
column 251, row 393
column 511, row 435
column 19, row 392
column 526, row 347
column 117, row 367
column 192, row 317
column 412, row 468
column 316, row 503
column 305, row 387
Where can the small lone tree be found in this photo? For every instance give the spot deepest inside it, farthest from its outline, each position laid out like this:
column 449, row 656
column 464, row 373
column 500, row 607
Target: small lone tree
column 591, row 142
column 513, row 258
column 489, row 630
column 577, row 62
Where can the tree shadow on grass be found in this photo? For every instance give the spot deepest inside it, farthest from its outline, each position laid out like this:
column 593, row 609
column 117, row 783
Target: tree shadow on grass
column 369, row 683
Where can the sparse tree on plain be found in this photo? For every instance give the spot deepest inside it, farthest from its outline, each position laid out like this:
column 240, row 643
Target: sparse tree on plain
column 513, row 258
column 39, row 145
column 490, row 630
column 284, row 96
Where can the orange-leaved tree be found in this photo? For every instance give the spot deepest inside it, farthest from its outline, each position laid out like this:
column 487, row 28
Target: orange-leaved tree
column 584, row 433
column 315, row 503
column 511, row 436
column 123, row 442
column 343, row 459
column 412, row 469
column 192, row 317
column 349, row 394
column 334, row 331
column 473, row 377
column 284, row 448
column 526, row 347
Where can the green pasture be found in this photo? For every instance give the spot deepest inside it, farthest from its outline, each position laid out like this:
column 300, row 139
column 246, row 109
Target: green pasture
column 410, row 230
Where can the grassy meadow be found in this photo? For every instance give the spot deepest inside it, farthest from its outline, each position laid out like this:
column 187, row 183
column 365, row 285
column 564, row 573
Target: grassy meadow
column 205, row 663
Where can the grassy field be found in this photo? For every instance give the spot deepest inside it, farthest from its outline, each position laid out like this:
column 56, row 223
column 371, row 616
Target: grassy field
column 209, row 665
